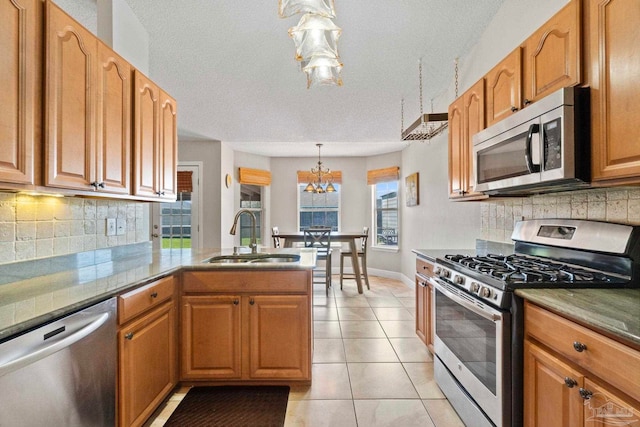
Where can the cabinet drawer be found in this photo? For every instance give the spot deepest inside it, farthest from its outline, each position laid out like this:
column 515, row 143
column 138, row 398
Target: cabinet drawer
column 611, row 361
column 290, row 281
column 143, row 298
column 424, row 267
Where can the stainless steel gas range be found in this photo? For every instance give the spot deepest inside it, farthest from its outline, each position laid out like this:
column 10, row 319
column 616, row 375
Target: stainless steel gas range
column 479, row 319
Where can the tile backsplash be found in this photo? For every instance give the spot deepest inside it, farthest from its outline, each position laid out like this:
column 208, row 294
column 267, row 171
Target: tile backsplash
column 621, row 205
column 41, row 226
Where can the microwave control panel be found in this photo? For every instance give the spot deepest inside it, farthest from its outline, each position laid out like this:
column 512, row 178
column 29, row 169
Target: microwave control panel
column 552, row 144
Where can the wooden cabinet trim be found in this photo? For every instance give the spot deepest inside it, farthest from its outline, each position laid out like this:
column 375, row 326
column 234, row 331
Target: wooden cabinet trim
column 237, row 281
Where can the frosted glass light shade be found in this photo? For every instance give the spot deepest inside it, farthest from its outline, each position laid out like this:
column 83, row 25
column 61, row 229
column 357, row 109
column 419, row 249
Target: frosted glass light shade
column 315, row 35
column 288, row 8
column 323, row 71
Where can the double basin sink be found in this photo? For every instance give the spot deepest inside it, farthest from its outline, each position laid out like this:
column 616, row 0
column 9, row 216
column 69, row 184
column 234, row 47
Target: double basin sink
column 253, row 259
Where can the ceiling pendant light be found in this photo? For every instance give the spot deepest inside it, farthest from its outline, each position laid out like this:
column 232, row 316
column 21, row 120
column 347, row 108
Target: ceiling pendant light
column 322, row 177
column 315, row 39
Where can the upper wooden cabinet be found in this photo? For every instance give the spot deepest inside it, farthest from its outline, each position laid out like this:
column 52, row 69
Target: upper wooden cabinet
column 20, row 80
column 155, row 140
column 613, row 56
column 504, row 93
column 551, row 55
column 70, row 102
column 466, row 118
column 87, row 110
column 113, row 160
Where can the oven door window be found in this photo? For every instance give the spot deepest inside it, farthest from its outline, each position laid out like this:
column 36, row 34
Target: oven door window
column 471, row 337
column 506, row 159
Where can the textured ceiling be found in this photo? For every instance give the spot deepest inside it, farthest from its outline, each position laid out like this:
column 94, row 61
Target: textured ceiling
column 230, row 65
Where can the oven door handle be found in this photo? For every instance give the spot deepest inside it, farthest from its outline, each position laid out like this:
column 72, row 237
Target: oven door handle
column 528, row 155
column 486, row 312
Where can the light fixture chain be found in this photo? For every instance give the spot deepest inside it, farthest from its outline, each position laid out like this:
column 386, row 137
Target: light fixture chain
column 456, row 69
column 401, row 116
column 420, row 72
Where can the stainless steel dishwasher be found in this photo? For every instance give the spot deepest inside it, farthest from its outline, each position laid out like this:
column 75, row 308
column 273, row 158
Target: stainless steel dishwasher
column 62, row 373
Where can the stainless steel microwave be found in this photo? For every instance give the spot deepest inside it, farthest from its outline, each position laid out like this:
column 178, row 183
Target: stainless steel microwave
column 541, row 148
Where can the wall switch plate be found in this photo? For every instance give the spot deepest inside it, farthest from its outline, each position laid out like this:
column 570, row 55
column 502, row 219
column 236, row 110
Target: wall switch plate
column 111, row 227
column 121, row 226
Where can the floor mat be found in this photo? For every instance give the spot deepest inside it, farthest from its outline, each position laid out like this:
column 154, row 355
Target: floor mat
column 232, row 406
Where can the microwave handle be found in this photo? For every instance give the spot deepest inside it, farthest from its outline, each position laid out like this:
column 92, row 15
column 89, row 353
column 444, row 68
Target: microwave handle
column 534, row 128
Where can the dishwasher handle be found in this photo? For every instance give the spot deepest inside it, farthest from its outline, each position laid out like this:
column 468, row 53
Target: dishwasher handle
column 47, row 349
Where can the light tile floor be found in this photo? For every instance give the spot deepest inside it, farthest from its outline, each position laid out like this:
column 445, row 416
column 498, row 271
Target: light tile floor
column 369, row 367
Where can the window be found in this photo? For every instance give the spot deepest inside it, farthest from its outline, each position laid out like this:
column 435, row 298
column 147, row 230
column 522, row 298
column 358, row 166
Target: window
column 175, row 220
column 250, row 198
column 319, row 209
column 385, row 195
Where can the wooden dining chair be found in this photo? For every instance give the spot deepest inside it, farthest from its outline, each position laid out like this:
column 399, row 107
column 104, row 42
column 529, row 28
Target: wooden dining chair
column 362, row 256
column 276, row 238
column 320, row 239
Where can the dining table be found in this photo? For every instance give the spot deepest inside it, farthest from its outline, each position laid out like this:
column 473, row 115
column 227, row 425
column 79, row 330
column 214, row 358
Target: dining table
column 347, row 237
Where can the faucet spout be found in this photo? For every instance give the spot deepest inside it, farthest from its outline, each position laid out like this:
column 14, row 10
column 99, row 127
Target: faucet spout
column 253, row 244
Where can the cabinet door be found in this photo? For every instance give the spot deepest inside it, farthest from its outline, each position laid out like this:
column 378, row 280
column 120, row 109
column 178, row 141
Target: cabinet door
column 146, row 139
column 614, row 37
column 504, row 88
column 168, row 147
column 422, row 312
column 603, row 407
column 211, row 337
column 147, row 369
column 551, row 397
column 456, row 141
column 473, row 118
column 279, row 337
column 113, row 122
column 70, row 99
column 20, row 71
column 551, row 56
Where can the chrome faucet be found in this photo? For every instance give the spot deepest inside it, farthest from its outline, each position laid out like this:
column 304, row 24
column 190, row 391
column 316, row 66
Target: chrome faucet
column 253, row 244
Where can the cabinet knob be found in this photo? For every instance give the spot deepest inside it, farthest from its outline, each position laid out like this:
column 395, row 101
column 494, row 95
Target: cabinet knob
column 236, row 301
column 129, row 336
column 514, row 109
column 94, row 185
column 527, row 101
column 570, row 382
column 579, row 347
column 101, row 185
column 252, row 301
column 154, row 295
column 585, row 394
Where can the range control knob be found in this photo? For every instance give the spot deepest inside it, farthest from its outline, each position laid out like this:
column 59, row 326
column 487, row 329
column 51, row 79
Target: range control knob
column 485, row 292
column 446, row 273
column 437, row 271
column 474, row 287
column 458, row 280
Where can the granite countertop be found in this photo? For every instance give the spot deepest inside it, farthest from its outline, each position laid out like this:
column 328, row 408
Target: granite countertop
column 614, row 312
column 38, row 291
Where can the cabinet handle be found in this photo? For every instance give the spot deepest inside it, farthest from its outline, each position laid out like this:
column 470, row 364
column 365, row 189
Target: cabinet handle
column 570, row 382
column 129, row 336
column 527, row 101
column 579, row 347
column 94, row 185
column 154, row 295
column 514, row 109
column 252, row 301
column 585, row 394
column 101, row 185
column 236, row 301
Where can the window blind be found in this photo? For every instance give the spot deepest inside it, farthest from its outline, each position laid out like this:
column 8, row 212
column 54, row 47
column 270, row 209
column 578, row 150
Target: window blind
column 382, row 175
column 254, row 176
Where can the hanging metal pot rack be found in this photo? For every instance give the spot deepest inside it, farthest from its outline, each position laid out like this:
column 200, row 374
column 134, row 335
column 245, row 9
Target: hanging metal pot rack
column 428, row 125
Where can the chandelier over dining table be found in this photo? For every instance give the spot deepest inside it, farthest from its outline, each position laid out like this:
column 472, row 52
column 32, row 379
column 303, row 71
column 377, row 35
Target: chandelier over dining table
column 321, row 178
column 316, row 40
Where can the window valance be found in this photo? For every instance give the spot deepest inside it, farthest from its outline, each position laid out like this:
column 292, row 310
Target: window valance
column 382, row 175
column 254, row 176
column 305, row 177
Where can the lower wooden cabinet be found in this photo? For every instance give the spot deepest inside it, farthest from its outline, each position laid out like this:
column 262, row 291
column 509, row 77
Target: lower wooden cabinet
column 574, row 376
column 424, row 303
column 147, row 368
column 260, row 332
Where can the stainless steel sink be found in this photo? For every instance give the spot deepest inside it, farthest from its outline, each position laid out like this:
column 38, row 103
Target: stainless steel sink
column 253, row 258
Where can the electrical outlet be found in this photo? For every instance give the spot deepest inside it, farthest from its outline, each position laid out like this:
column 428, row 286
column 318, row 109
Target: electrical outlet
column 111, row 227
column 121, row 226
